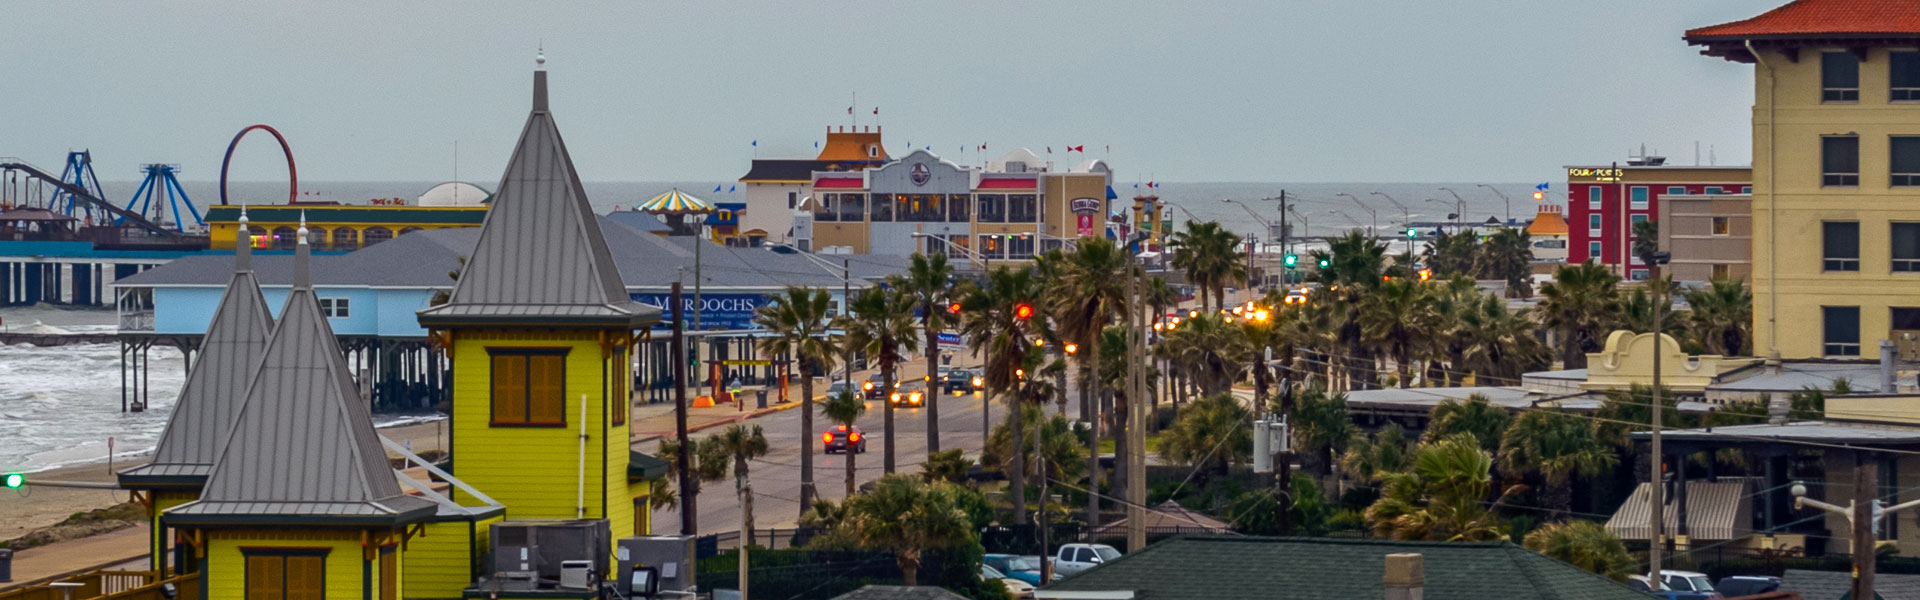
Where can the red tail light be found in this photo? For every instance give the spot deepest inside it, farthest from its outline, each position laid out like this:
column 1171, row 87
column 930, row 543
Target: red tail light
column 827, row 437
column 855, row 438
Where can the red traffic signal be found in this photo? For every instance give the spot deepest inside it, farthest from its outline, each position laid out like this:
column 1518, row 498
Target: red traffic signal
column 1022, row 311
column 953, row 308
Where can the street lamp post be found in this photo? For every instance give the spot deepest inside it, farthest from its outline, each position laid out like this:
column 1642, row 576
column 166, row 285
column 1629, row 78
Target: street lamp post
column 1350, row 219
column 1306, row 227
column 1459, row 209
column 1406, row 214
column 1256, row 216
column 1503, row 198
column 1363, row 206
column 1864, row 518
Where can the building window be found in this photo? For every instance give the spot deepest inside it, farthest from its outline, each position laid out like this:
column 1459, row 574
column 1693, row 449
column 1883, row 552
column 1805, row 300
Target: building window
column 953, row 246
column 1638, row 195
column 283, row 238
column 623, row 378
column 1019, row 247
column 1593, row 223
column 1639, row 275
column 345, row 239
column 1839, row 77
column 793, row 200
column 1906, row 247
column 1722, row 225
column 375, row 235
column 1905, row 157
column 993, row 208
column 919, row 208
column 1722, row 272
column 957, row 205
column 1023, row 208
column 1840, row 246
column 1903, row 76
column 286, row 573
column 1905, row 319
column 1594, row 195
column 882, row 208
column 1746, row 189
column 1676, row 189
column 1713, row 190
column 853, row 207
column 993, row 245
column 1840, row 160
column 1841, row 331
column 1593, row 250
column 529, row 386
column 335, row 308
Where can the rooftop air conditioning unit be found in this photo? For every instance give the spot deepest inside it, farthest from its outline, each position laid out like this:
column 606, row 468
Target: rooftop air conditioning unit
column 543, row 547
column 576, row 574
column 1907, row 341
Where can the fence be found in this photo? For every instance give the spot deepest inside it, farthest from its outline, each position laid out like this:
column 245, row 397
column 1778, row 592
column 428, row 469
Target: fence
column 104, row 584
column 807, row 574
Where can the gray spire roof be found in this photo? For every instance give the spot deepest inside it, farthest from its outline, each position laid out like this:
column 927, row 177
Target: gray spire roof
column 215, row 388
column 303, row 447
column 541, row 257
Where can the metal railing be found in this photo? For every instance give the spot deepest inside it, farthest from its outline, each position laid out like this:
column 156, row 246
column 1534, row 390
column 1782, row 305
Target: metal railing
column 104, row 583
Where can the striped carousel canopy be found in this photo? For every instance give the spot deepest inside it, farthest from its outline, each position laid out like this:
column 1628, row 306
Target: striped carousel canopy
column 675, row 202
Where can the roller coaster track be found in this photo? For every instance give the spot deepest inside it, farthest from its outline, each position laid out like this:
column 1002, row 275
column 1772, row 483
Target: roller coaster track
column 86, row 196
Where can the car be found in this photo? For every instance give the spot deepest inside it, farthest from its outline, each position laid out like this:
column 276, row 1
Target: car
column 841, row 438
column 912, row 393
column 962, row 381
column 875, row 387
column 840, row 387
column 1734, row 586
column 1074, row 558
column 1678, row 585
column 1017, row 567
column 1015, row 587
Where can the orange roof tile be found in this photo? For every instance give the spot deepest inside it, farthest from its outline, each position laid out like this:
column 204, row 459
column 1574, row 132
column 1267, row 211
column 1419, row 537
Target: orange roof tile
column 1822, row 18
column 1548, row 223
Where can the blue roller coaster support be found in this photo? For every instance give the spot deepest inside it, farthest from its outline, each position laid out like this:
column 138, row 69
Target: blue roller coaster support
column 79, row 172
column 160, row 181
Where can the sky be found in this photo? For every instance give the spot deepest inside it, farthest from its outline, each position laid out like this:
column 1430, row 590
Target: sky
column 1224, row 90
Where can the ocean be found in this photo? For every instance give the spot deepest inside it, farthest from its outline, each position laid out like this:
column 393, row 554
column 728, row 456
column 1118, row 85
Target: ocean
column 61, row 406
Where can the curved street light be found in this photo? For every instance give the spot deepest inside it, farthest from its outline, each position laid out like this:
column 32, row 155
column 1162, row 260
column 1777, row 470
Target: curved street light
column 1363, row 206
column 1406, row 214
column 1503, row 198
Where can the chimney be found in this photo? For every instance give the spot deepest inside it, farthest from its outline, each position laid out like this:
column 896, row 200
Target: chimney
column 1777, row 409
column 1887, row 375
column 1773, row 363
column 1405, row 577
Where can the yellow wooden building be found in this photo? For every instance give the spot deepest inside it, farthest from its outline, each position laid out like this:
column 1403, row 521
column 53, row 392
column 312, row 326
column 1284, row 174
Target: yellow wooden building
column 334, row 227
column 538, row 328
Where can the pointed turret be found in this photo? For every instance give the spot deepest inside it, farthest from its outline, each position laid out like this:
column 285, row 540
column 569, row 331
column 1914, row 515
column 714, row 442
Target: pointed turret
column 541, row 259
column 303, row 448
column 216, row 386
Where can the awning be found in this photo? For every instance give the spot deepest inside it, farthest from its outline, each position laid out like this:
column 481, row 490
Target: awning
column 1007, row 184
column 1716, row 510
column 838, row 183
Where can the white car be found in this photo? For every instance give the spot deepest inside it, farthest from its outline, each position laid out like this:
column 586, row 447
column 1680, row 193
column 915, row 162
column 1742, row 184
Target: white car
column 1074, row 558
column 1016, row 588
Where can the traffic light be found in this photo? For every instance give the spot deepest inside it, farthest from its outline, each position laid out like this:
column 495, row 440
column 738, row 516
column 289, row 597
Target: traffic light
column 16, row 481
column 1412, row 233
column 1325, row 262
column 1022, row 311
column 1290, row 260
column 953, row 308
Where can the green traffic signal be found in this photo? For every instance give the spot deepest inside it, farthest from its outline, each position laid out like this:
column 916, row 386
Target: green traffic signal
column 1290, row 260
column 1412, row 233
column 15, row 481
column 1326, row 262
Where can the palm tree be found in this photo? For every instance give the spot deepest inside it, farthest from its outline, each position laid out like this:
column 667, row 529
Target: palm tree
column 741, row 444
column 1210, row 256
column 844, row 409
column 1578, row 305
column 946, row 465
column 1213, row 352
column 1637, row 310
column 992, row 322
column 1354, row 266
column 1398, row 319
column 929, row 282
column 881, row 325
column 1211, row 435
column 1321, row 428
column 1059, row 445
column 1440, row 499
column 907, row 516
column 1495, row 344
column 799, row 322
column 1583, row 544
column 1557, row 447
column 1508, row 255
column 1721, row 318
column 1389, row 451
column 1086, row 291
column 1477, row 417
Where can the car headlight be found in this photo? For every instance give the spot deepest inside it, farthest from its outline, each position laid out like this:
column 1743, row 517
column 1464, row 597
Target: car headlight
column 867, row 386
column 977, row 382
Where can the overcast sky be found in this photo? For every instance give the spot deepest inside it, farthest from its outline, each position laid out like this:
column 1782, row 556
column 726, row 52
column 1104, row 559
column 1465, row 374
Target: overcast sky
column 1260, row 90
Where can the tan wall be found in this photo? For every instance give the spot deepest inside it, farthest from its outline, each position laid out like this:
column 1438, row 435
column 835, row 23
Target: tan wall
column 1790, row 203
column 840, row 234
column 1686, row 230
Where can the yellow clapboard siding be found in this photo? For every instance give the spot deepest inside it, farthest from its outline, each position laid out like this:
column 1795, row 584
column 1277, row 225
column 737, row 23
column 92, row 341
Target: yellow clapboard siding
column 226, row 563
column 157, row 535
column 534, row 471
column 438, row 564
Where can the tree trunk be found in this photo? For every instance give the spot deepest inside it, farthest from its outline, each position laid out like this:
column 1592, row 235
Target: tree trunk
column 935, row 388
column 745, row 489
column 1117, row 426
column 886, row 400
column 1016, row 476
column 1403, row 363
column 1090, row 412
column 806, row 440
column 909, row 570
column 851, row 453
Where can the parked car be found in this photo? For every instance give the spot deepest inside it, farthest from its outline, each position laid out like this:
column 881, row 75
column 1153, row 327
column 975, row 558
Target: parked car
column 1016, row 588
column 840, row 438
column 1678, row 585
column 838, row 387
column 912, row 393
column 1017, row 567
column 962, row 381
column 1035, row 560
column 1074, row 558
column 1734, row 586
column 875, row 388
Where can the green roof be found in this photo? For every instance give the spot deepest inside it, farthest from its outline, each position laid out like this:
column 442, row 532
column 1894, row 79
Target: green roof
column 1209, row 567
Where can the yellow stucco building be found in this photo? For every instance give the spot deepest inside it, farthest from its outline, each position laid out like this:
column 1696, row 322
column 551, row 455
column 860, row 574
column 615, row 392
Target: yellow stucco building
column 1836, row 173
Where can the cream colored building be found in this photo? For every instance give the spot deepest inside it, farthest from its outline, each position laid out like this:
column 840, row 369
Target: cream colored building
column 1709, row 235
column 1836, row 172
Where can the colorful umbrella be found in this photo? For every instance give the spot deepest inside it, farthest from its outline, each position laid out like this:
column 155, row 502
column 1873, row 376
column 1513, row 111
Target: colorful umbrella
column 675, row 202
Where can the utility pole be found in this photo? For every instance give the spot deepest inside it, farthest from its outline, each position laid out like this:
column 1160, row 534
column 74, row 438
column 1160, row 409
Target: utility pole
column 1040, row 468
column 1136, row 414
column 1286, row 235
column 1866, row 483
column 689, row 518
column 1657, row 533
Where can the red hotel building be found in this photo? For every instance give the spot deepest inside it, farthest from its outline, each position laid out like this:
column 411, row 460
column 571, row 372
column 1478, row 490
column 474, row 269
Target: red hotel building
column 1603, row 203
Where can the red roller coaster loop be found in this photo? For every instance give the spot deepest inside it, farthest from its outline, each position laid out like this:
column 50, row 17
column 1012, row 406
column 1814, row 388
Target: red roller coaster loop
column 293, row 177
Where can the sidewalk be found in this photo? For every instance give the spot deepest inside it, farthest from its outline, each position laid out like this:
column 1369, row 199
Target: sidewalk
column 107, row 549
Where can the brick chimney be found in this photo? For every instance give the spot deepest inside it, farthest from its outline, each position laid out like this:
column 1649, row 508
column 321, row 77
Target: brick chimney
column 1405, row 577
